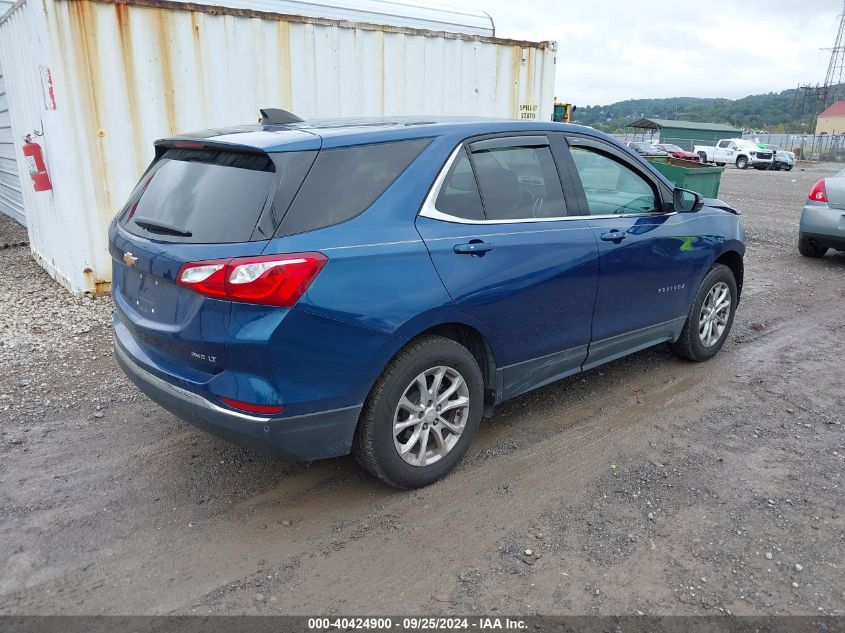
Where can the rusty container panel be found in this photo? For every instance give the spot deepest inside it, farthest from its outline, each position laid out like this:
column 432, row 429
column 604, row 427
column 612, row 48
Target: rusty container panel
column 126, row 73
column 432, row 18
column 56, row 238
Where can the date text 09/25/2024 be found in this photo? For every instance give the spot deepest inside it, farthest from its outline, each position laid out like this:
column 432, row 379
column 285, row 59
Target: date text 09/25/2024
column 417, row 624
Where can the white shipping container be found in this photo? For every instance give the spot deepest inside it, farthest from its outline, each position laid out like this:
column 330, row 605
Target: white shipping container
column 97, row 81
column 11, row 200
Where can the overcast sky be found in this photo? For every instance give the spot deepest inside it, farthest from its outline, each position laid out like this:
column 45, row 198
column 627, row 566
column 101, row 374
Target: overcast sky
column 610, row 50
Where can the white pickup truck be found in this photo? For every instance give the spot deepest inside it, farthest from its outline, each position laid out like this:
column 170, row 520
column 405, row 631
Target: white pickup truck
column 741, row 152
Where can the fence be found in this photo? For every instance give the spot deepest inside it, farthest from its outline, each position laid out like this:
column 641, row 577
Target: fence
column 814, row 147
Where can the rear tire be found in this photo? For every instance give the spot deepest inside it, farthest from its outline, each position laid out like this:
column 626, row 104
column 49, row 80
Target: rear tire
column 788, row 168
column 399, row 416
column 702, row 157
column 742, row 162
column 698, row 340
column 808, row 249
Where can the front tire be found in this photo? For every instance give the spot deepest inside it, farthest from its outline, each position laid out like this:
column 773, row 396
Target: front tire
column 421, row 415
column 742, row 162
column 710, row 316
column 809, row 249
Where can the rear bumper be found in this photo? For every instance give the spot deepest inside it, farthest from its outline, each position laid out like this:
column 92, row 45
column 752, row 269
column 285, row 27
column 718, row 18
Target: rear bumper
column 824, row 225
column 825, row 241
column 304, row 437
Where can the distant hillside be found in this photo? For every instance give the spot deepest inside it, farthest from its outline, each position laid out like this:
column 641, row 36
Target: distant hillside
column 770, row 112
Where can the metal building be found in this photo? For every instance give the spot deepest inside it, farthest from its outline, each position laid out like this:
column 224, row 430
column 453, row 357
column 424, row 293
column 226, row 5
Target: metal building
column 11, row 201
column 687, row 134
column 96, row 81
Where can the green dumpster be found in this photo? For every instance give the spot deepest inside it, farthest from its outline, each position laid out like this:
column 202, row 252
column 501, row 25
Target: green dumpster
column 698, row 177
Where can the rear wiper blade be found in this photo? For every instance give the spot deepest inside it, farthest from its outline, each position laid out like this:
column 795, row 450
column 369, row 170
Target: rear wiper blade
column 157, row 226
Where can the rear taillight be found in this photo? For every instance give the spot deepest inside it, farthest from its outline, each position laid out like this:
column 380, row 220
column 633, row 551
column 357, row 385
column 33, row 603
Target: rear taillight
column 276, row 280
column 819, row 192
column 253, row 408
column 207, row 278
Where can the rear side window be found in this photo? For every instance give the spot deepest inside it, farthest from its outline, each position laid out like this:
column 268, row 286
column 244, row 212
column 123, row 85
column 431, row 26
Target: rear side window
column 201, row 196
column 344, row 182
column 519, row 183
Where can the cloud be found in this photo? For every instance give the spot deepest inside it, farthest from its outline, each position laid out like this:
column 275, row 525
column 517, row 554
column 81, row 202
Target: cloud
column 610, row 50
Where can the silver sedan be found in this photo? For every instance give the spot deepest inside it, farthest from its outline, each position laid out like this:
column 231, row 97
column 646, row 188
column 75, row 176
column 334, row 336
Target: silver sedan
column 822, row 223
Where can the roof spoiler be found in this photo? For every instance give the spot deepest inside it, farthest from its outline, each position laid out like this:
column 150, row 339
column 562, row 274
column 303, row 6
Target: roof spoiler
column 276, row 116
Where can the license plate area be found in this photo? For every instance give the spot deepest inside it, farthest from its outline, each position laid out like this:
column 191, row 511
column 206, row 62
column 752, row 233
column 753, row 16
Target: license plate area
column 152, row 297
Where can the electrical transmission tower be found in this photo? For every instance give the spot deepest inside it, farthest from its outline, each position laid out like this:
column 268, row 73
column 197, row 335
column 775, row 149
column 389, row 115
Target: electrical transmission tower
column 810, row 100
column 837, row 62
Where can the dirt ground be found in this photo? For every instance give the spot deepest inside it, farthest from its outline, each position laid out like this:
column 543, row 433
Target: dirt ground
column 650, row 485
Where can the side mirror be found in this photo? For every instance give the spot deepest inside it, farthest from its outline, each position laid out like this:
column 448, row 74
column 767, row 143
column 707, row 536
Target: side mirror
column 686, row 201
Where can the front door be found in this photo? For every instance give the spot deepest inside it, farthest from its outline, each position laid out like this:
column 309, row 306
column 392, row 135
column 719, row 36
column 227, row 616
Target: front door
column 496, row 228
column 725, row 152
column 647, row 257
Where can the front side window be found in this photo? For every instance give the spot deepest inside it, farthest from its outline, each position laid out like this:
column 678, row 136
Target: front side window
column 611, row 187
column 518, row 182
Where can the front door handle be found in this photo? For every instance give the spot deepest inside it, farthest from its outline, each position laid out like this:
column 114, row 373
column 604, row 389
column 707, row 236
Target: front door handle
column 473, row 247
column 614, row 235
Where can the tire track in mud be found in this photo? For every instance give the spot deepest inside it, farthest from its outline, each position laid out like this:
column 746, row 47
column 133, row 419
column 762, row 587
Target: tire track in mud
column 579, row 447
column 336, row 515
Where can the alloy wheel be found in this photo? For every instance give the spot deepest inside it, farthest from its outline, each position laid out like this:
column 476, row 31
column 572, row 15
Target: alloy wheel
column 715, row 311
column 431, row 416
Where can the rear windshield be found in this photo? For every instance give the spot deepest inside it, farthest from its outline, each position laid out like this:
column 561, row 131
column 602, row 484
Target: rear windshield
column 201, row 196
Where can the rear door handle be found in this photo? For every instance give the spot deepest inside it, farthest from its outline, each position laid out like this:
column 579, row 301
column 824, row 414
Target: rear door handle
column 614, row 235
column 473, row 247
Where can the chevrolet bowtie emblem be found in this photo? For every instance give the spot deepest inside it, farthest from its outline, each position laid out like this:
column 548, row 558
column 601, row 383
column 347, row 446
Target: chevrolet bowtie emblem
column 129, row 259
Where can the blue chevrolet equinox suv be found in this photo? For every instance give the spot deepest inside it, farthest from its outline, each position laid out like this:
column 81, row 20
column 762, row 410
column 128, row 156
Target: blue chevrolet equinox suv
column 314, row 288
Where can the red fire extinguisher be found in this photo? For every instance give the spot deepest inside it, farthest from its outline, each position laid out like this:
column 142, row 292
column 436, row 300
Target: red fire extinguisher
column 37, row 167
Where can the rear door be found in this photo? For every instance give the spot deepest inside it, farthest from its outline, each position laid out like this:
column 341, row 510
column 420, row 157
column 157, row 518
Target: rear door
column 192, row 205
column 496, row 226
column 647, row 259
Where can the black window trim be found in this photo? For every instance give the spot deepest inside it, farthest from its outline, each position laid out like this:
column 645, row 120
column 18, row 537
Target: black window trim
column 662, row 193
column 277, row 204
column 534, row 138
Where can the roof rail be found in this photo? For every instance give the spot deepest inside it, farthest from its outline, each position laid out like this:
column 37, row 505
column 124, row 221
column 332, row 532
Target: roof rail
column 276, row 116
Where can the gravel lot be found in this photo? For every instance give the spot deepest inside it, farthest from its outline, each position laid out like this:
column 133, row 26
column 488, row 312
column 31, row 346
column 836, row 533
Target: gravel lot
column 649, row 485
